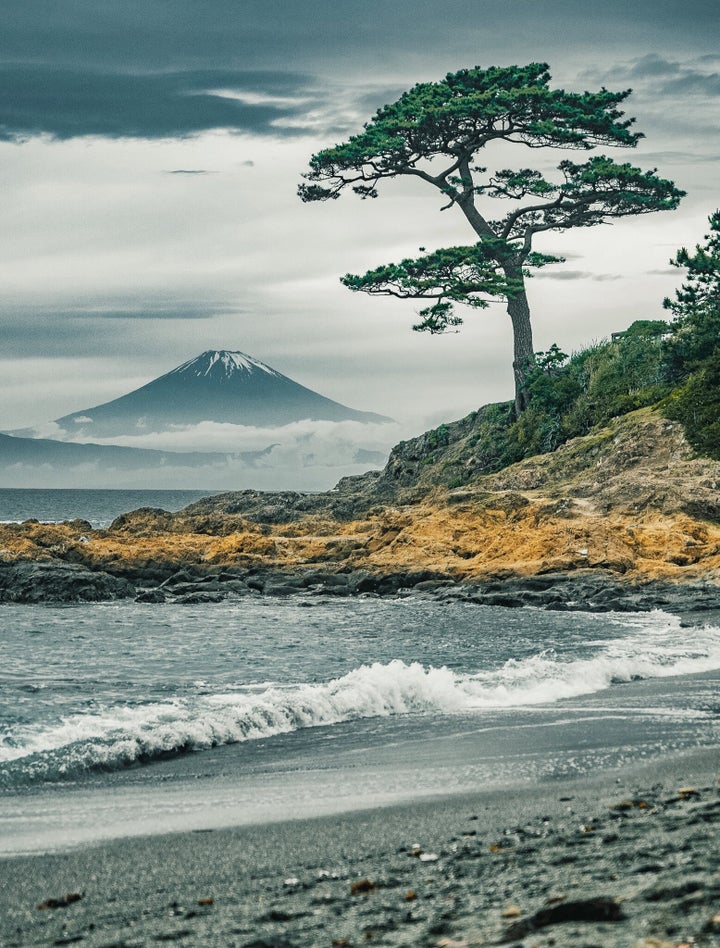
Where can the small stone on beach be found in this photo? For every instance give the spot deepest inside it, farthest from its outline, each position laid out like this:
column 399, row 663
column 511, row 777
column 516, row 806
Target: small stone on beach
column 362, row 886
column 62, row 902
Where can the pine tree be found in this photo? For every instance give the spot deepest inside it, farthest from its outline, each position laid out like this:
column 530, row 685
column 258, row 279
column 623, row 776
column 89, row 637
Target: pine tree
column 434, row 132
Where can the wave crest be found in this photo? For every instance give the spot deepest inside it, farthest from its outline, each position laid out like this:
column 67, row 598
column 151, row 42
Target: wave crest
column 119, row 736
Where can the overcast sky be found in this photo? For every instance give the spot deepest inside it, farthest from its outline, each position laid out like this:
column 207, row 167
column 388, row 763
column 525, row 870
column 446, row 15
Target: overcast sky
column 150, row 152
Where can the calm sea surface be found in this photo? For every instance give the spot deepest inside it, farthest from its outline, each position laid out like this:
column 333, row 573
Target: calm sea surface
column 99, row 507
column 126, row 717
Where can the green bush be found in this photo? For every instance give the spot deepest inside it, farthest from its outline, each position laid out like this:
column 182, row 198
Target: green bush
column 696, row 404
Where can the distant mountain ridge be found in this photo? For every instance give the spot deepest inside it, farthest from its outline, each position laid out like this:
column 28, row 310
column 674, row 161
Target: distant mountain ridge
column 220, row 386
column 44, row 451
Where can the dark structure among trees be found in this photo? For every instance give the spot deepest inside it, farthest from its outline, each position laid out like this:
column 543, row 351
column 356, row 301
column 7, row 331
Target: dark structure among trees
column 434, row 133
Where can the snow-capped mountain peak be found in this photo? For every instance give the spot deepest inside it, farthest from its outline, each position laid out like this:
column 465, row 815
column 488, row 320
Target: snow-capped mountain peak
column 220, row 385
column 221, row 362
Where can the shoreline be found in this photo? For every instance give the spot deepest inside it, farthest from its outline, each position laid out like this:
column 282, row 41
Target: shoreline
column 452, row 870
column 53, row 582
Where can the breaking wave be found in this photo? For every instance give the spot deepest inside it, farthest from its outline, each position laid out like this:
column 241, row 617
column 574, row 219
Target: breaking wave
column 123, row 735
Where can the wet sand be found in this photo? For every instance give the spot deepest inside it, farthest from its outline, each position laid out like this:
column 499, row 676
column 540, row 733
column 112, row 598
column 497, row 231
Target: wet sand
column 629, row 857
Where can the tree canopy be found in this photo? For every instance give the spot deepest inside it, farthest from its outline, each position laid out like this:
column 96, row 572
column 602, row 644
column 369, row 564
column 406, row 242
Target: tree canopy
column 434, row 132
column 696, row 306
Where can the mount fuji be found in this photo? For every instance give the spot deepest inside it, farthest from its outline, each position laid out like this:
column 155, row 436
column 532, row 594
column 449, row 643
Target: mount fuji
column 219, row 386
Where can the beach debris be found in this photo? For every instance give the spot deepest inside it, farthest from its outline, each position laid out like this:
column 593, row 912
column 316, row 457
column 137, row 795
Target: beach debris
column 208, row 901
column 512, row 911
column 428, row 857
column 361, row 887
column 600, row 909
column 291, row 881
column 587, row 828
column 688, row 793
column 63, row 902
column 625, row 805
column 501, row 847
column 411, row 895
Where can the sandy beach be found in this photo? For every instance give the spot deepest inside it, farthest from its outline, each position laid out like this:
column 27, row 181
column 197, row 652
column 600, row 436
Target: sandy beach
column 626, row 858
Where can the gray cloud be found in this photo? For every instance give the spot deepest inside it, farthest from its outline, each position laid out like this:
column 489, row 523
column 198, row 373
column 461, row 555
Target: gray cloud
column 66, row 102
column 662, row 77
column 145, row 69
column 577, row 275
column 124, row 307
column 653, row 65
column 144, row 32
column 693, row 81
column 672, row 99
column 92, row 328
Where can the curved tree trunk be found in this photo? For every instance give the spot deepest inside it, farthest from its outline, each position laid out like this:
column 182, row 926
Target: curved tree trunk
column 523, row 352
column 517, row 305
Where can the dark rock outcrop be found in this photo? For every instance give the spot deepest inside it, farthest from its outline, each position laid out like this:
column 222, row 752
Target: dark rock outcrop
column 55, row 581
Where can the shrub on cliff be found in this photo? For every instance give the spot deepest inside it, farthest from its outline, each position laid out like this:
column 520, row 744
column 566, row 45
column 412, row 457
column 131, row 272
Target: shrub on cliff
column 696, row 404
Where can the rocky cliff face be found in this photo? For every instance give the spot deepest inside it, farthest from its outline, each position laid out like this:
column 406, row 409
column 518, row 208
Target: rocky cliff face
column 629, row 503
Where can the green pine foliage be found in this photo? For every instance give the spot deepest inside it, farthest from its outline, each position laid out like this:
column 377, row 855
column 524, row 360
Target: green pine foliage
column 693, row 352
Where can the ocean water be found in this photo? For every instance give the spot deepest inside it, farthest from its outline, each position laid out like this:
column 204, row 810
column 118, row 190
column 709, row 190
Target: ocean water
column 120, row 718
column 99, row 507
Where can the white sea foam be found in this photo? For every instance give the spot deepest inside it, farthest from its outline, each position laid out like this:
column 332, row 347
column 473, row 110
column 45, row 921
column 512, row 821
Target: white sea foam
column 121, row 735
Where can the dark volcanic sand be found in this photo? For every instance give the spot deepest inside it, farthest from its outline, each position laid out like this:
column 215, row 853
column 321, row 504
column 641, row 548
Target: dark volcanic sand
column 456, row 871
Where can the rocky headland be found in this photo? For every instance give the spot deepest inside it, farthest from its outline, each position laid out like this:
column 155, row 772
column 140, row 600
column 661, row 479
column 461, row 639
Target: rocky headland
column 624, row 518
